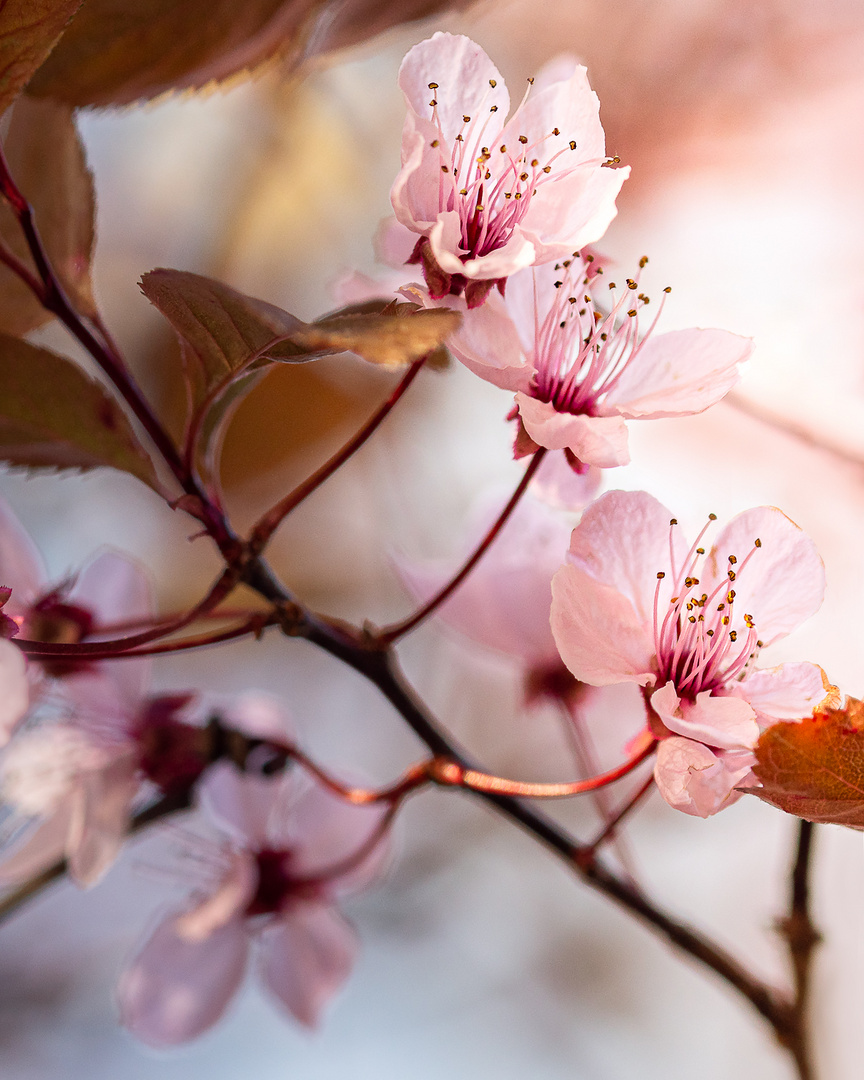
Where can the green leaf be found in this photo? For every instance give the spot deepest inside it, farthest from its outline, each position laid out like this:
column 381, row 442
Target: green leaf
column 29, row 30
column 46, row 160
column 120, row 51
column 52, row 416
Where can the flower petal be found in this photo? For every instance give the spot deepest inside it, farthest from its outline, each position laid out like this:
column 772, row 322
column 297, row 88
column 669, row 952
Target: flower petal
column 39, row 848
column 599, row 635
column 306, row 957
column 725, row 722
column 788, row 692
column 239, row 804
column 624, row 540
column 14, row 689
column 97, row 833
column 487, row 343
column 230, row 899
column 174, row 990
column 693, row 779
column 783, row 583
column 595, row 440
column 679, row 373
column 21, row 567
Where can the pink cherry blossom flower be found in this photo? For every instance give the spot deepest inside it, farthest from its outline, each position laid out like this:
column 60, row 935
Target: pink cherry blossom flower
column 489, row 197
column 291, row 849
column 580, row 370
column 81, row 777
column 635, row 603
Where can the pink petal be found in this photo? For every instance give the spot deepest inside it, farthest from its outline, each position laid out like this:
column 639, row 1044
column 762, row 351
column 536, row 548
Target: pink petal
column 783, row 583
column 240, row 805
column 14, row 689
column 624, row 540
column 558, row 485
column 516, row 254
column 21, row 567
column 97, row 833
column 463, row 72
column 174, row 990
column 595, row 440
column 599, row 635
column 231, row 898
column 574, row 211
column 696, row 781
column 487, row 344
column 306, row 957
column 394, row 245
column 325, row 834
column 259, row 716
column 725, row 722
column 679, row 373
column 40, row 847
column 789, row 692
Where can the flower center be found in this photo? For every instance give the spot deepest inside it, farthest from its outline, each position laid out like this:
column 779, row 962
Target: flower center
column 700, row 641
column 580, row 351
column 55, row 622
column 490, row 186
column 276, row 884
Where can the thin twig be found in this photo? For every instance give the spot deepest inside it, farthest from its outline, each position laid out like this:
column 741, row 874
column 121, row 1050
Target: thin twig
column 274, row 517
column 389, row 634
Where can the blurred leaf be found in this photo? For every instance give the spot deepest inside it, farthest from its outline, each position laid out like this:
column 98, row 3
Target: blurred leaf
column 390, row 339
column 46, row 160
column 120, row 51
column 29, row 29
column 815, row 769
column 53, row 416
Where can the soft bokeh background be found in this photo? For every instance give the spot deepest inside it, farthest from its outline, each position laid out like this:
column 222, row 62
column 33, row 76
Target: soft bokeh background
column 482, row 957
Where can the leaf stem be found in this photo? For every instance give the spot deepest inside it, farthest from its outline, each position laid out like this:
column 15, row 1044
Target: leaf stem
column 392, row 633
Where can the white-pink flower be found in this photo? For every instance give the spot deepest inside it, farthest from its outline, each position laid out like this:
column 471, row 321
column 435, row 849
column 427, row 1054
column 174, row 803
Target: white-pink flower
column 487, row 196
column 636, row 603
column 580, row 369
column 291, row 849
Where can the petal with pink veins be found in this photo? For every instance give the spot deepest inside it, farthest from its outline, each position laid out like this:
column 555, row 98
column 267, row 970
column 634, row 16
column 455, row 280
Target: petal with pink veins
column 487, row 343
column 693, row 779
column 624, row 540
column 594, row 440
column 599, row 635
column 725, row 722
column 306, row 956
column 574, row 211
column 174, row 989
column 783, row 583
column 678, row 373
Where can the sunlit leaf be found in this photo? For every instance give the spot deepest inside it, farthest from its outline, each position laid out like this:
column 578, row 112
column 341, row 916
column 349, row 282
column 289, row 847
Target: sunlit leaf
column 390, row 339
column 29, row 29
column 815, row 769
column 120, row 51
column 53, row 416
column 46, row 160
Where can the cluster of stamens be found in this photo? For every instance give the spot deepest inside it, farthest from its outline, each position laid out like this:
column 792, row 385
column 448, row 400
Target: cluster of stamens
column 580, row 351
column 491, row 186
column 700, row 643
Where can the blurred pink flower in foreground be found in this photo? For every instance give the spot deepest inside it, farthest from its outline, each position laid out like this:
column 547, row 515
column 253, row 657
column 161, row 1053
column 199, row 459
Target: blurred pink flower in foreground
column 579, row 371
column 292, row 849
column 489, row 197
column 635, row 604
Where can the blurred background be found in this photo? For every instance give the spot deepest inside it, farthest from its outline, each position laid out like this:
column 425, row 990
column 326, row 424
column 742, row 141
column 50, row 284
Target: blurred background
column 482, row 957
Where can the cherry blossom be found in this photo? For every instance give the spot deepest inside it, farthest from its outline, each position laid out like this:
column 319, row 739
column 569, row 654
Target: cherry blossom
column 488, row 196
column 291, row 849
column 635, row 603
column 580, row 369
column 79, row 778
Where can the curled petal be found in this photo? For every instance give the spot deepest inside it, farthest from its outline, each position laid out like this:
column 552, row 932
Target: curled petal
column 600, row 637
column 788, row 692
column 594, row 440
column 679, row 373
column 306, row 957
column 783, row 582
column 725, row 722
column 486, row 342
column 695, row 780
column 174, row 990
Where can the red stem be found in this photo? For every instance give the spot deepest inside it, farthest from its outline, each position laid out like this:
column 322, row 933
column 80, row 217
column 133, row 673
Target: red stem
column 392, row 633
column 449, row 772
column 274, row 517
